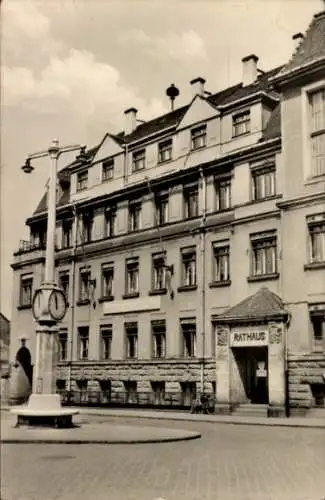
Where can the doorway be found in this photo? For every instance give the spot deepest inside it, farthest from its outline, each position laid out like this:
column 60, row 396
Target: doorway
column 253, row 368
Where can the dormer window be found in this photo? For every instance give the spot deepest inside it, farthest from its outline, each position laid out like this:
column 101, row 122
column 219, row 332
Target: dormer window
column 82, row 180
column 107, row 170
column 241, row 123
column 165, row 150
column 138, row 160
column 198, row 137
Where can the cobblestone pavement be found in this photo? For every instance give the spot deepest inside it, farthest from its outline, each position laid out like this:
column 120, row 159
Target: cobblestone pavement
column 229, row 463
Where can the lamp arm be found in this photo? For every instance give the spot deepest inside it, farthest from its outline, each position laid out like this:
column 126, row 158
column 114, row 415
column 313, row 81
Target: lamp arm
column 66, row 149
column 35, row 156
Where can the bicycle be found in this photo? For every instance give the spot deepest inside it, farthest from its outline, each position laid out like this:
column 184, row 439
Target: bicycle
column 205, row 404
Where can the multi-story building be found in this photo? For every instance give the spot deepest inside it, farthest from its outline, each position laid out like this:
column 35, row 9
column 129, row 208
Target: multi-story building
column 192, row 248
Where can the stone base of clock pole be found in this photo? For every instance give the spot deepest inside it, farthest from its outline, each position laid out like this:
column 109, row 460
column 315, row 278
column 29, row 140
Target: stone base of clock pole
column 44, row 405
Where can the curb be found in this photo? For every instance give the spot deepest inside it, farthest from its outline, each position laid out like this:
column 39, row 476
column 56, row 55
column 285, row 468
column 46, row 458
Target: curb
column 98, row 441
column 213, row 420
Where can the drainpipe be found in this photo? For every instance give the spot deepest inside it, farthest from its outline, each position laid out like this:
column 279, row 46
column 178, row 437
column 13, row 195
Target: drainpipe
column 203, row 257
column 73, row 294
column 125, row 164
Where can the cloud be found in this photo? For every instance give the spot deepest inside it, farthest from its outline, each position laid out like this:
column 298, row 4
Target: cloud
column 26, row 30
column 78, row 84
column 181, row 46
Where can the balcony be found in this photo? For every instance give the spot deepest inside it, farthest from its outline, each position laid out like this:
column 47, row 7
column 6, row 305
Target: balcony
column 26, row 246
column 28, row 252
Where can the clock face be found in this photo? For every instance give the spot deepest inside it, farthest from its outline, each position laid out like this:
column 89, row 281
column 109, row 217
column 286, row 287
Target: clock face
column 57, row 305
column 37, row 304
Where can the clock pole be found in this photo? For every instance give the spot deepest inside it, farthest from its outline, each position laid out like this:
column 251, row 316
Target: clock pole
column 49, row 307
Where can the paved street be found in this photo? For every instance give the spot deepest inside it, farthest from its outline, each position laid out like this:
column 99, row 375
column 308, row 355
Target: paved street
column 229, row 463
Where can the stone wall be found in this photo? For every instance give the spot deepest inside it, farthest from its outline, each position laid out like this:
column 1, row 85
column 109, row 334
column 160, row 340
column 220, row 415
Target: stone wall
column 304, row 370
column 170, row 371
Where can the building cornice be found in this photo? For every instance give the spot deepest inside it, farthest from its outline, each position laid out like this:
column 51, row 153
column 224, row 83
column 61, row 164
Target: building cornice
column 256, row 151
column 295, row 74
column 301, row 201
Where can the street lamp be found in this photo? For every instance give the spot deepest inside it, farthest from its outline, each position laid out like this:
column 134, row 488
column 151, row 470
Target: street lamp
column 49, row 303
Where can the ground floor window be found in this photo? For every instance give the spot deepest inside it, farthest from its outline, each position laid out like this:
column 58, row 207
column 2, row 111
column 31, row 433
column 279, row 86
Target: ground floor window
column 106, row 390
column 131, row 395
column 318, row 327
column 158, row 392
column 83, row 390
column 188, row 393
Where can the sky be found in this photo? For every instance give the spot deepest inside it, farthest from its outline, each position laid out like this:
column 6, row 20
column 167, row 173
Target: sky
column 70, row 68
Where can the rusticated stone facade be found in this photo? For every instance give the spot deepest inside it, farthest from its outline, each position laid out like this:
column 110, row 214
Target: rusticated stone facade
column 305, row 377
column 172, row 371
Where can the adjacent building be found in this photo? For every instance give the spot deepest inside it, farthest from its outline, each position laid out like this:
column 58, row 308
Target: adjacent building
column 192, row 248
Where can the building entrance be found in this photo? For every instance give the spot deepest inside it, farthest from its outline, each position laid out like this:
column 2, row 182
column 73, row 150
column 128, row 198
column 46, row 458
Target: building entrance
column 253, row 369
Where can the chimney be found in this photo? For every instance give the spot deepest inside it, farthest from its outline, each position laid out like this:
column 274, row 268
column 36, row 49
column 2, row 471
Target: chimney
column 130, row 120
column 249, row 69
column 198, row 86
column 297, row 38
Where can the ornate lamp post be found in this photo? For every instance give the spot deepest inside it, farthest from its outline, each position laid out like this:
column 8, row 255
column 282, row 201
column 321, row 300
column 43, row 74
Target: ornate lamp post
column 49, row 303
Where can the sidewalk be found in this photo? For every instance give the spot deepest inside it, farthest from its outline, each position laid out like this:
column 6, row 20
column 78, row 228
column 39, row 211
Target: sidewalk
column 303, row 422
column 217, row 419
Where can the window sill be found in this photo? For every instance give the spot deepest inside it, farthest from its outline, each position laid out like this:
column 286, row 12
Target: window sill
column 266, row 198
column 24, row 306
column 198, row 147
column 263, row 277
column 133, row 295
column 235, row 136
column 158, row 291
column 162, row 162
column 108, row 298
column 85, row 302
column 218, row 284
column 314, row 265
column 186, row 288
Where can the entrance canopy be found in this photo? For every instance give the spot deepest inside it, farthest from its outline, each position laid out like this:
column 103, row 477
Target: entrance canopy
column 263, row 306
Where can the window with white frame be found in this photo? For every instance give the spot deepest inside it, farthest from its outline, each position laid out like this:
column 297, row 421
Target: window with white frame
column 189, row 338
column 159, row 271
column 83, row 338
column 134, row 221
column 161, row 209
column 131, row 337
column 26, row 290
column 106, row 342
column 316, row 230
column 188, row 266
column 109, row 222
column 263, row 182
column 66, row 233
column 317, row 110
column 221, row 261
column 138, row 160
column 64, row 279
column 84, row 278
column 318, row 327
column 87, row 227
column 158, row 330
column 165, row 150
column 198, row 137
column 132, row 276
column 82, row 180
column 191, row 201
column 107, row 170
column 223, row 193
column 264, row 253
column 107, row 280
column 241, row 123
column 63, row 345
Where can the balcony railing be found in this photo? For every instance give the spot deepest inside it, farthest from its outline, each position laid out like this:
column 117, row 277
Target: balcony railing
column 29, row 246
column 167, row 400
